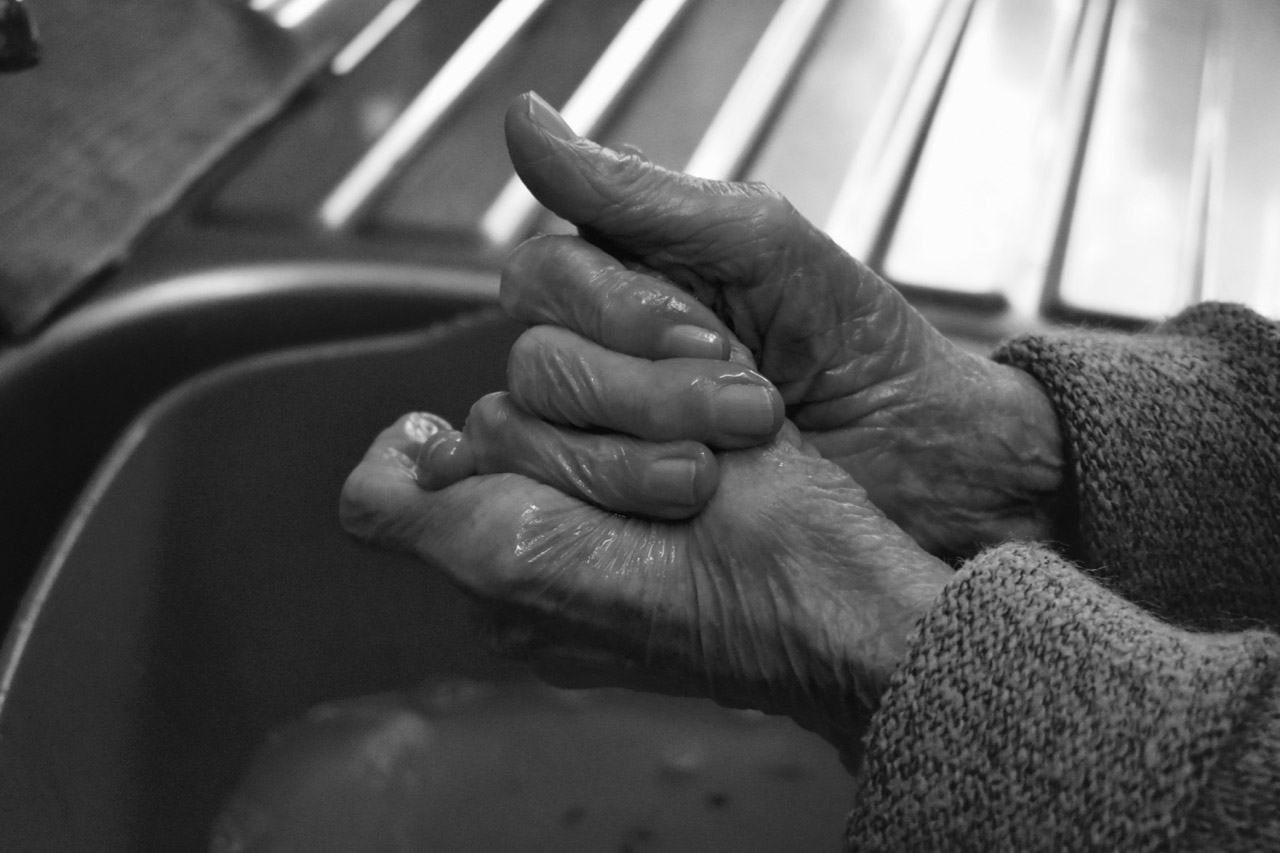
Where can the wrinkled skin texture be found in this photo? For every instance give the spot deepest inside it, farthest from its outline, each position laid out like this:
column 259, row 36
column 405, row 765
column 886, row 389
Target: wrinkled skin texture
column 958, row 450
column 789, row 592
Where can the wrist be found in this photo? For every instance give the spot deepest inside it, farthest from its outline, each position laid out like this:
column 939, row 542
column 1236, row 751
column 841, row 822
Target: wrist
column 1024, row 424
column 999, row 465
column 863, row 635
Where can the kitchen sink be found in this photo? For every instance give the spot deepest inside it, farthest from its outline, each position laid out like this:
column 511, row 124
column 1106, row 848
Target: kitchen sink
column 202, row 593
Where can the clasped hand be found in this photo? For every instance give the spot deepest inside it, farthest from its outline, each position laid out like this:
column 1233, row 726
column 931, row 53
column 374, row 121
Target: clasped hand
column 727, row 455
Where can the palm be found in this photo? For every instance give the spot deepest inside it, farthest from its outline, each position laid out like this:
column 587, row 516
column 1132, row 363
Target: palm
column 746, row 602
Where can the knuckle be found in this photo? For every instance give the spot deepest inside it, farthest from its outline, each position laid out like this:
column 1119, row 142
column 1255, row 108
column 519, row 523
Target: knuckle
column 605, row 293
column 488, row 415
column 486, row 430
column 775, row 230
column 618, row 180
column 553, row 381
column 775, row 211
column 600, row 472
column 525, row 358
column 362, row 514
column 699, row 405
column 520, row 274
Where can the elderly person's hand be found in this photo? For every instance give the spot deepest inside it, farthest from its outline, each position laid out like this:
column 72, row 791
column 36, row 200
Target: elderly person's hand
column 957, row 449
column 789, row 592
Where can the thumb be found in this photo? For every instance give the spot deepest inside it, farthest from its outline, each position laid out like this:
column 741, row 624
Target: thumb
column 474, row 531
column 671, row 221
column 781, row 278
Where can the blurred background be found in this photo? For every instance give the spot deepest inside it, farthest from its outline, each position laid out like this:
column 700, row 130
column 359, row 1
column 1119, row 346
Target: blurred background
column 185, row 183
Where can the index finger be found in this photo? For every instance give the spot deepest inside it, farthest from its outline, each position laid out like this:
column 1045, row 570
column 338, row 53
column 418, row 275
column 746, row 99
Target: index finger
column 566, row 281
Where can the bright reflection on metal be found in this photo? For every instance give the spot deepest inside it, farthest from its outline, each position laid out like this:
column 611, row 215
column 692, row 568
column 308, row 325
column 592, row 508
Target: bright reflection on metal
column 294, row 13
column 1127, row 253
column 964, row 225
column 510, row 214
column 741, row 118
column 1242, row 261
column 372, row 35
column 879, row 167
column 423, row 115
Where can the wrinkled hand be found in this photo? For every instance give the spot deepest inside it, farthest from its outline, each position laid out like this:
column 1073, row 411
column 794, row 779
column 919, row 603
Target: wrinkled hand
column 789, row 592
column 958, row 450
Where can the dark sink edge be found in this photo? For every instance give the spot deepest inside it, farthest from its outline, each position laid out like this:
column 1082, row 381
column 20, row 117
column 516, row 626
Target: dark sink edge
column 46, row 577
column 67, row 395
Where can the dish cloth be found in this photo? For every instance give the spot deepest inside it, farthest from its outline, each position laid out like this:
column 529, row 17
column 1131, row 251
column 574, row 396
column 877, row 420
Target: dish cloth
column 131, row 102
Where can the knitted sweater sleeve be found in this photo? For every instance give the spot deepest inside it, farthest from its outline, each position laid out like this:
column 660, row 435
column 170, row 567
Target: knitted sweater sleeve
column 1134, row 704
column 1173, row 445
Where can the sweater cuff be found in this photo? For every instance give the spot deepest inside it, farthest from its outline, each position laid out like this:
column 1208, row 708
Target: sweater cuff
column 1037, row 711
column 1173, row 445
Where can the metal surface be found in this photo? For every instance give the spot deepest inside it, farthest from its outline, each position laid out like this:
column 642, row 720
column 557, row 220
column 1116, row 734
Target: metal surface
column 1242, row 260
column 373, row 34
column 1097, row 160
column 1129, row 252
column 862, row 212
column 963, row 226
column 740, row 121
column 424, row 114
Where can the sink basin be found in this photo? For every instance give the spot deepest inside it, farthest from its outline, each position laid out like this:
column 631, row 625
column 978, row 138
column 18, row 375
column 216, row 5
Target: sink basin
column 201, row 594
column 66, row 394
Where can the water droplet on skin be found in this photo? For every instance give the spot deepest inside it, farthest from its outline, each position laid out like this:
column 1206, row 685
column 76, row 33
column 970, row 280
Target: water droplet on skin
column 419, row 426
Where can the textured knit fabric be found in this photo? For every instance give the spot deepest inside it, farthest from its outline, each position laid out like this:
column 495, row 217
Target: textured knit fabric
column 1174, row 443
column 1129, row 701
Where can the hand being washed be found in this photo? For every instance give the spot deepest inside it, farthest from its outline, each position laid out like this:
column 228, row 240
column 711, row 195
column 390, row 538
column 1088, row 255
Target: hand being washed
column 957, row 449
column 789, row 592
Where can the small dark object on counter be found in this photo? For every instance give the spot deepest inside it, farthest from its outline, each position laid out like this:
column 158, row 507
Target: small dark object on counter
column 19, row 41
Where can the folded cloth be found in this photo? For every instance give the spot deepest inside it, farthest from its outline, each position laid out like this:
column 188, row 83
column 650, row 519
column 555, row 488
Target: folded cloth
column 132, row 100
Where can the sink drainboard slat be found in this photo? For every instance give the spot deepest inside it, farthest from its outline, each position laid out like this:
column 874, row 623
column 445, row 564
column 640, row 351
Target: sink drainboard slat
column 373, row 34
column 881, row 168
column 421, row 118
column 1135, row 176
column 741, row 118
column 509, row 216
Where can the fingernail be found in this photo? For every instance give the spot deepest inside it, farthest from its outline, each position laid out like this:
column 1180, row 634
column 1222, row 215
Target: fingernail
column 402, row 463
column 673, row 480
column 739, row 354
column 419, row 426
column 545, row 116
column 448, row 460
column 693, row 342
column 746, row 410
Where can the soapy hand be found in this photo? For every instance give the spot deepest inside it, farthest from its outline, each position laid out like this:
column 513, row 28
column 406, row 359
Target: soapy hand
column 788, row 592
column 957, row 449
